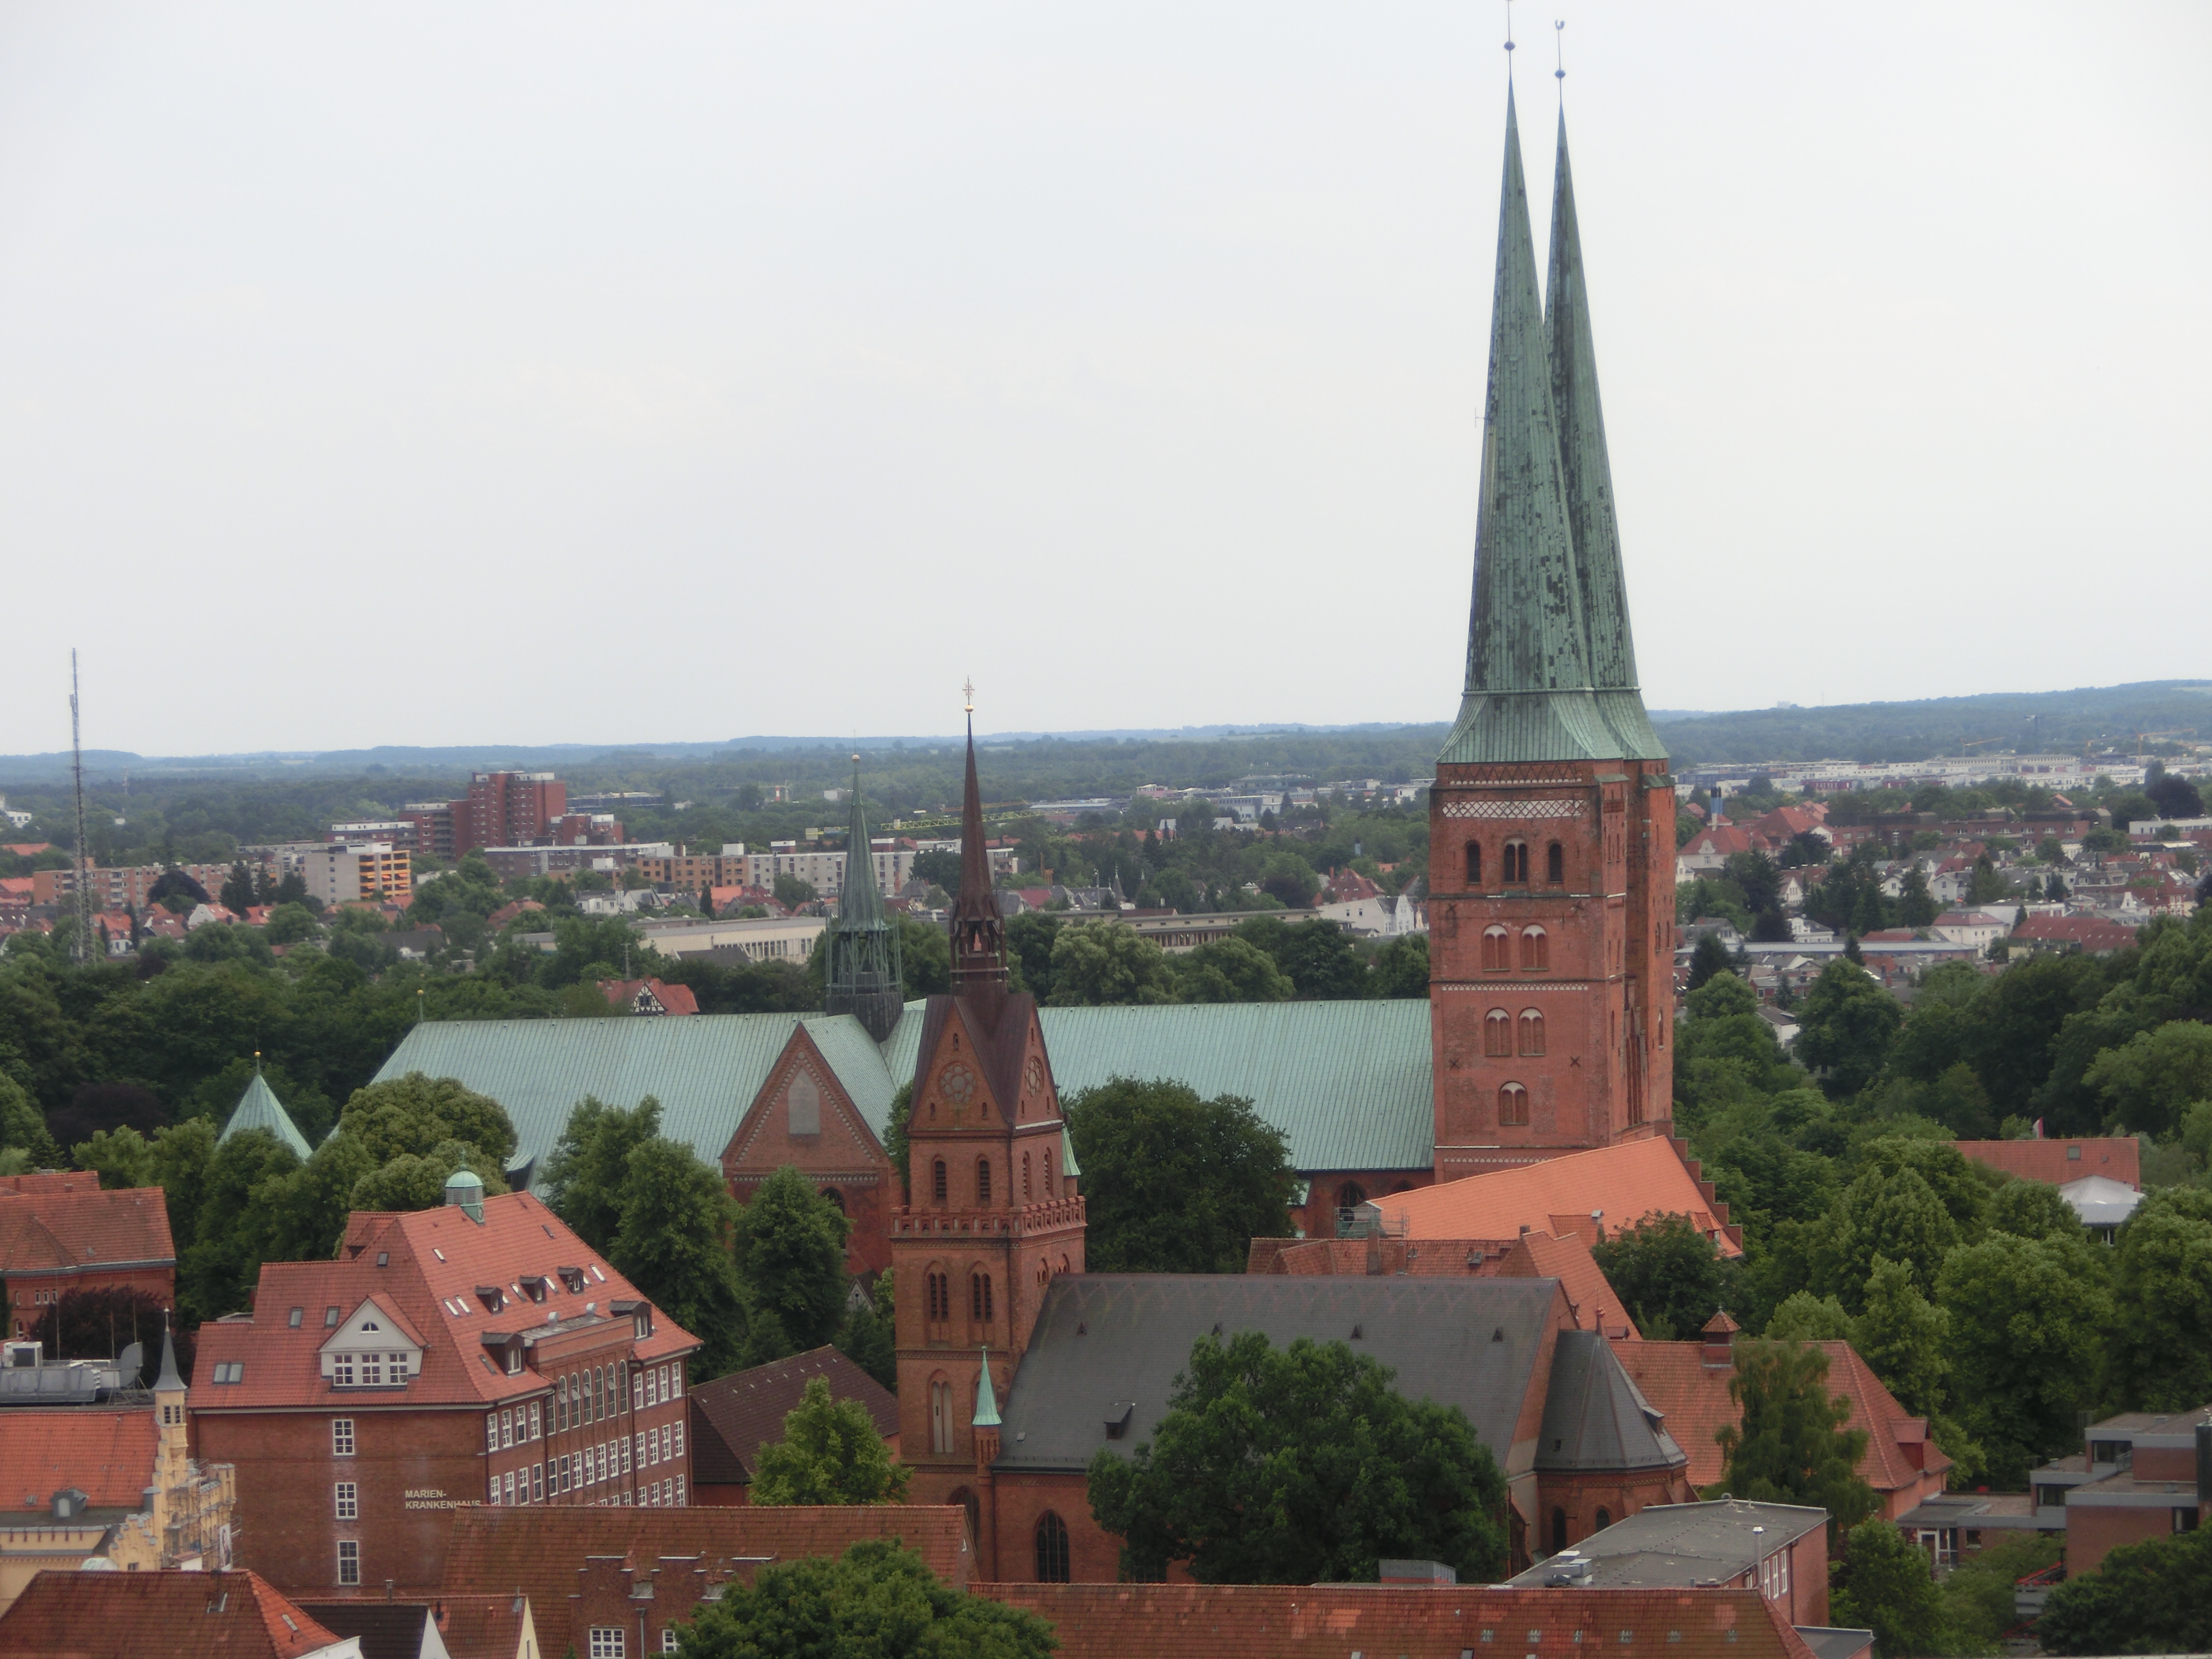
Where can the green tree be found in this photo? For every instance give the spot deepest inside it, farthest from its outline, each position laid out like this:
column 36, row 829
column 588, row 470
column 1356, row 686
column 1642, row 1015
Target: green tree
column 1916, row 905
column 182, row 1152
column 416, row 1113
column 1230, row 970
column 1029, row 938
column 880, row 1600
column 23, row 1127
column 1401, row 967
column 123, row 1157
column 2161, row 1331
column 1891, row 1213
column 2032, row 1209
column 1101, row 963
column 1986, row 885
column 1886, row 1586
column 238, row 890
column 417, row 1181
column 925, row 954
column 675, row 1218
column 1791, row 1446
column 1298, row 1465
column 789, row 1245
column 869, row 1337
column 1804, row 1317
column 289, row 924
column 830, row 1453
column 224, row 1257
column 1669, row 1273
column 1175, row 1184
column 2028, row 1318
column 790, row 892
column 1845, row 1028
column 2151, row 1597
column 1904, row 1337
column 2149, row 1082
column 589, row 1165
column 1316, row 955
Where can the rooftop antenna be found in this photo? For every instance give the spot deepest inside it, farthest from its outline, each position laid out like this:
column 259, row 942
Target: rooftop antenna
column 1509, row 39
column 1559, row 49
column 83, row 857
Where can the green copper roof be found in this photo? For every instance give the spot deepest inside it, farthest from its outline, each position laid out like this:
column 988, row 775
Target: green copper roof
column 706, row 1069
column 859, row 905
column 259, row 1109
column 1590, row 513
column 1347, row 1082
column 987, row 1398
column 1528, row 687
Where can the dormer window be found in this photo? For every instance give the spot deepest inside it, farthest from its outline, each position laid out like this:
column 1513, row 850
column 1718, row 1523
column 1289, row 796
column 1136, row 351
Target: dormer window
column 492, row 1297
column 536, row 1288
column 572, row 1279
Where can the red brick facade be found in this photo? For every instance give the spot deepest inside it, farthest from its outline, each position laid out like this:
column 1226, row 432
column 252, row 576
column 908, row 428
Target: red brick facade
column 1551, row 939
column 803, row 1117
column 533, row 1374
column 59, row 1233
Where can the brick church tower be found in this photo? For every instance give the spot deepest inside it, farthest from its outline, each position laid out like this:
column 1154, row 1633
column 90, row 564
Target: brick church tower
column 1552, row 821
column 992, row 1215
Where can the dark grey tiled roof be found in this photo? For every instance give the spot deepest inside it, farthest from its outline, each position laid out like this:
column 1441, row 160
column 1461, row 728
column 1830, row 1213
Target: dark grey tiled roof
column 1106, row 1341
column 1595, row 1417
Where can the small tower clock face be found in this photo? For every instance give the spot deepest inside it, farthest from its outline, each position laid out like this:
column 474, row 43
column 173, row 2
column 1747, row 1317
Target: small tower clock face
column 957, row 1086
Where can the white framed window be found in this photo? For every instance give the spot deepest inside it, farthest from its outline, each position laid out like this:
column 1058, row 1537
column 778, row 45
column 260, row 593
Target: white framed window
column 676, row 1381
column 347, row 1499
column 640, row 1439
column 605, row 1642
column 508, row 1481
column 668, row 1639
column 679, row 1491
column 494, row 1483
column 491, row 1430
column 637, row 1392
column 349, row 1561
column 677, row 1429
column 341, row 1373
column 621, row 1450
column 507, row 1428
column 537, row 1483
column 396, row 1364
column 342, row 1436
column 372, row 1370
column 535, row 1420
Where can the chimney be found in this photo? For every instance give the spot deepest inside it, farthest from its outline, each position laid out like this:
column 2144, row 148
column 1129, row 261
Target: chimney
column 1719, row 1337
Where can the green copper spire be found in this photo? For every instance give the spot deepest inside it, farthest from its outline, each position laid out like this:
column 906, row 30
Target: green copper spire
column 259, row 1109
column 1589, row 479
column 1528, row 687
column 867, row 975
column 987, row 1398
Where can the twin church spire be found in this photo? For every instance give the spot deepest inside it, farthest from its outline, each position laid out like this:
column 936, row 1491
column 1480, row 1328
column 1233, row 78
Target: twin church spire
column 1551, row 667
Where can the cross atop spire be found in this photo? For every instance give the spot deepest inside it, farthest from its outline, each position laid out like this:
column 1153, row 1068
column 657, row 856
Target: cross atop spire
column 979, row 933
column 1528, row 693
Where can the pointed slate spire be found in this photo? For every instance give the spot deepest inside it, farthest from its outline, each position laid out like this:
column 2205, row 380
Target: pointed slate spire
column 170, row 1381
column 979, row 933
column 867, row 975
column 987, row 1398
column 1528, row 694
column 1590, row 513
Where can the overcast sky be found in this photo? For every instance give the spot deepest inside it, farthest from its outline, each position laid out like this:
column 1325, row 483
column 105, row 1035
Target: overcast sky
column 456, row 373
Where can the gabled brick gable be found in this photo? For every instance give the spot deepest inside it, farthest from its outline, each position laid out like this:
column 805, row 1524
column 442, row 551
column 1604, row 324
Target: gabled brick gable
column 1330, row 1621
column 842, row 1156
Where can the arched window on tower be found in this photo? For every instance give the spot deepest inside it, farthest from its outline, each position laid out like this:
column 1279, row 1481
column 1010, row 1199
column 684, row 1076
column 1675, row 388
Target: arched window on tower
column 1535, row 951
column 1496, row 946
column 940, row 1415
column 836, row 1198
column 1475, row 864
column 1531, row 1030
column 1496, row 1034
column 1512, row 1105
column 938, row 1183
column 938, row 1302
column 1517, row 863
column 1025, row 1177
column 1051, row 1549
column 1555, row 864
column 1050, row 1190
column 979, row 1298
column 1602, row 1519
column 983, row 1181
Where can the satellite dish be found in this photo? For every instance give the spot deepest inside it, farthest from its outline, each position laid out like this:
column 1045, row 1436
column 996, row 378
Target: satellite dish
column 97, row 1564
column 133, row 1364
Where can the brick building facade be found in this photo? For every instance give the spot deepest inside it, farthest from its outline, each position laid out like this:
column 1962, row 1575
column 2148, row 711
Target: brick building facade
column 60, row 1233
column 475, row 1355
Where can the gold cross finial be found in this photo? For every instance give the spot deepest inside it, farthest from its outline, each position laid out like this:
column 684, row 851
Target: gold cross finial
column 968, row 690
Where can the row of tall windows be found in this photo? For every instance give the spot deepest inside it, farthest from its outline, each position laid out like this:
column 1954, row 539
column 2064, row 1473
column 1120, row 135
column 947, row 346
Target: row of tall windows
column 940, row 1179
column 1513, row 863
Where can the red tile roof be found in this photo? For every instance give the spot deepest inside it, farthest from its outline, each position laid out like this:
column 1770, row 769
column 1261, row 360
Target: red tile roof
column 1330, row 1621
column 1694, row 1396
column 675, row 998
column 183, row 1615
column 519, row 1240
column 107, row 1454
column 1626, row 1182
column 2058, row 1161
column 1723, row 842
column 63, row 1220
column 2092, row 933
column 733, row 1416
column 540, row 1550
column 483, row 1626
column 1596, row 1304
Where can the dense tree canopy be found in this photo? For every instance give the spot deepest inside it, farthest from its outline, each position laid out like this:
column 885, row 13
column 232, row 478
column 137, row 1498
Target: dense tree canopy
column 1297, row 1466
column 1670, row 1274
column 830, row 1453
column 1791, row 1446
column 1173, row 1183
